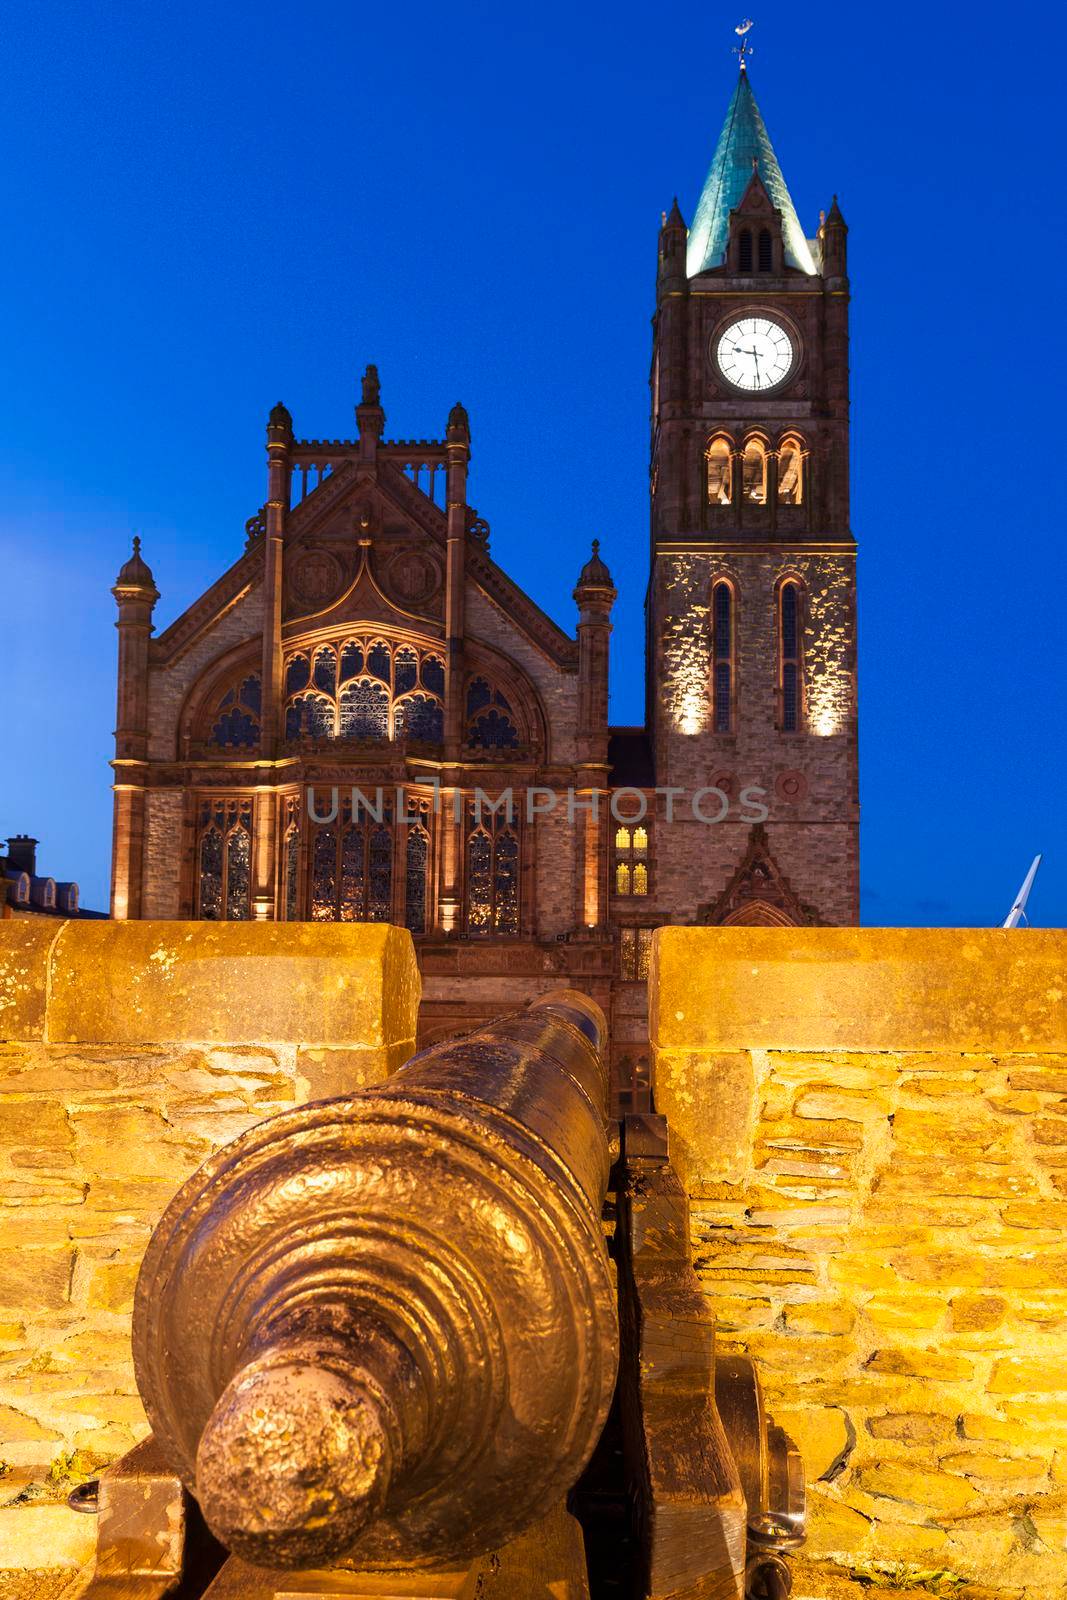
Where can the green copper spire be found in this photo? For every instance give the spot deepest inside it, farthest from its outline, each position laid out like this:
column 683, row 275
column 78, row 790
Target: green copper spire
column 744, row 146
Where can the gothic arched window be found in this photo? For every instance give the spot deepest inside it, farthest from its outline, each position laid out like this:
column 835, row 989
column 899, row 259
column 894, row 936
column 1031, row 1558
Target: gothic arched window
column 291, row 859
column 352, row 863
column 720, row 458
column 766, row 251
column 790, row 473
column 492, row 871
column 722, row 645
column 417, row 870
column 754, row 472
column 744, row 251
column 490, row 723
column 790, row 681
column 352, row 689
column 224, row 860
column 631, row 859
column 237, row 716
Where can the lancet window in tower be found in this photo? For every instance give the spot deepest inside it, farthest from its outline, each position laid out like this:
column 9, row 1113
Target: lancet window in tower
column 490, row 720
column 224, row 859
column 791, row 473
column 631, row 859
column 754, row 472
column 744, row 250
column 365, row 689
column 722, row 643
column 351, row 859
column 236, row 721
column 790, row 679
column 720, row 460
column 492, row 901
column 765, row 251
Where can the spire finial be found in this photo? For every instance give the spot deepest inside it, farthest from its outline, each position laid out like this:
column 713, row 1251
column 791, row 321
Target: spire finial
column 596, row 547
column 137, row 544
column 743, row 50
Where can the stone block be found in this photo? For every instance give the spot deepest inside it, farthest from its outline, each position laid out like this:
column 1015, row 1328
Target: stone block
column 977, row 1313
column 931, row 1491
column 25, row 944
column 240, row 983
column 709, row 1100
column 1028, row 1375
column 728, row 989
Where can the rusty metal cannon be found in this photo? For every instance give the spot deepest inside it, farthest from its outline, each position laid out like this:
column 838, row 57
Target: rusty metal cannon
column 382, row 1335
column 385, row 1326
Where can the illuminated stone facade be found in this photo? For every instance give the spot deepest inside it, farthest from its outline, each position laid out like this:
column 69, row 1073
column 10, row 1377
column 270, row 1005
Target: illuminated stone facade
column 871, row 1127
column 366, row 638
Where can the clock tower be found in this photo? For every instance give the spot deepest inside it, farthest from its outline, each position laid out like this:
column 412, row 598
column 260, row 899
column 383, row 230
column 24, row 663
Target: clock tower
column 751, row 605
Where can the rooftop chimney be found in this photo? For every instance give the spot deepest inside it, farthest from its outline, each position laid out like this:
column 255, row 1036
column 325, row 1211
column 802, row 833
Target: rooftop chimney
column 22, row 854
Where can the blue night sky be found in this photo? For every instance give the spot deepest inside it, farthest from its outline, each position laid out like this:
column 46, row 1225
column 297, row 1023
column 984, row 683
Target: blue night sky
column 210, row 208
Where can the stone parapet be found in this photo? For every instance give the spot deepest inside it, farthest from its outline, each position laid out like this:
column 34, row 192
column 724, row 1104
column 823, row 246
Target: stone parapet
column 872, row 1125
column 129, row 1051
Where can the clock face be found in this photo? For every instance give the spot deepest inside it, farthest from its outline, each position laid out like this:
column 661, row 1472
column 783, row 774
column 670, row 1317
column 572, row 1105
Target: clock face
column 755, row 353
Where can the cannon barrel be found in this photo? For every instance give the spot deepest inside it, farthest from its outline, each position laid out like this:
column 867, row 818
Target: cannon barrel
column 384, row 1326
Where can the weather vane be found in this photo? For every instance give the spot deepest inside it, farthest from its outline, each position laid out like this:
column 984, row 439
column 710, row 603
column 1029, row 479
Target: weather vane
column 744, row 49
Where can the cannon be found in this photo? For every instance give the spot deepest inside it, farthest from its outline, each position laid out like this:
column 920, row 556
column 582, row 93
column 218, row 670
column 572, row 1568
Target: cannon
column 384, row 1336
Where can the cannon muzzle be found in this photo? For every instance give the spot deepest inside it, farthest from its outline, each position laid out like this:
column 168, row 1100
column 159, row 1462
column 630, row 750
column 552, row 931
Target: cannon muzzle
column 384, row 1327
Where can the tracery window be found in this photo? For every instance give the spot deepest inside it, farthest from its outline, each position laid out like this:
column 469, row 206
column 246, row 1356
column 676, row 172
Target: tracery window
column 490, row 720
column 352, row 863
column 492, row 871
column 631, row 859
column 366, row 688
column 754, row 473
column 635, row 954
column 790, row 473
column 720, row 458
column 417, row 869
column 291, row 859
column 790, row 683
column 236, row 717
column 722, row 646
column 224, row 859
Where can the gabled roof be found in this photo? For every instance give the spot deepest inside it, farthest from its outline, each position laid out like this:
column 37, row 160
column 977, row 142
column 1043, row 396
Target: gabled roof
column 744, row 146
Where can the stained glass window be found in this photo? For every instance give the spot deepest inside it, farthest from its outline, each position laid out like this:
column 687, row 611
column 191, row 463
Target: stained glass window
column 722, row 650
column 379, row 661
column 346, row 690
column 420, row 717
column 364, row 710
column 297, row 674
column 789, row 655
column 635, row 954
column 479, row 694
column 406, row 671
column 493, row 731
column 433, row 675
column 352, row 867
column 492, row 873
column 351, row 661
column 416, row 865
column 631, row 860
column 224, row 860
column 291, row 859
column 325, row 676
column 237, row 722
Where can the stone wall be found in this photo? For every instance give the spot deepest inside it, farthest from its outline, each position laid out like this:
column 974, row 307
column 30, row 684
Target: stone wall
column 873, row 1129
column 128, row 1053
